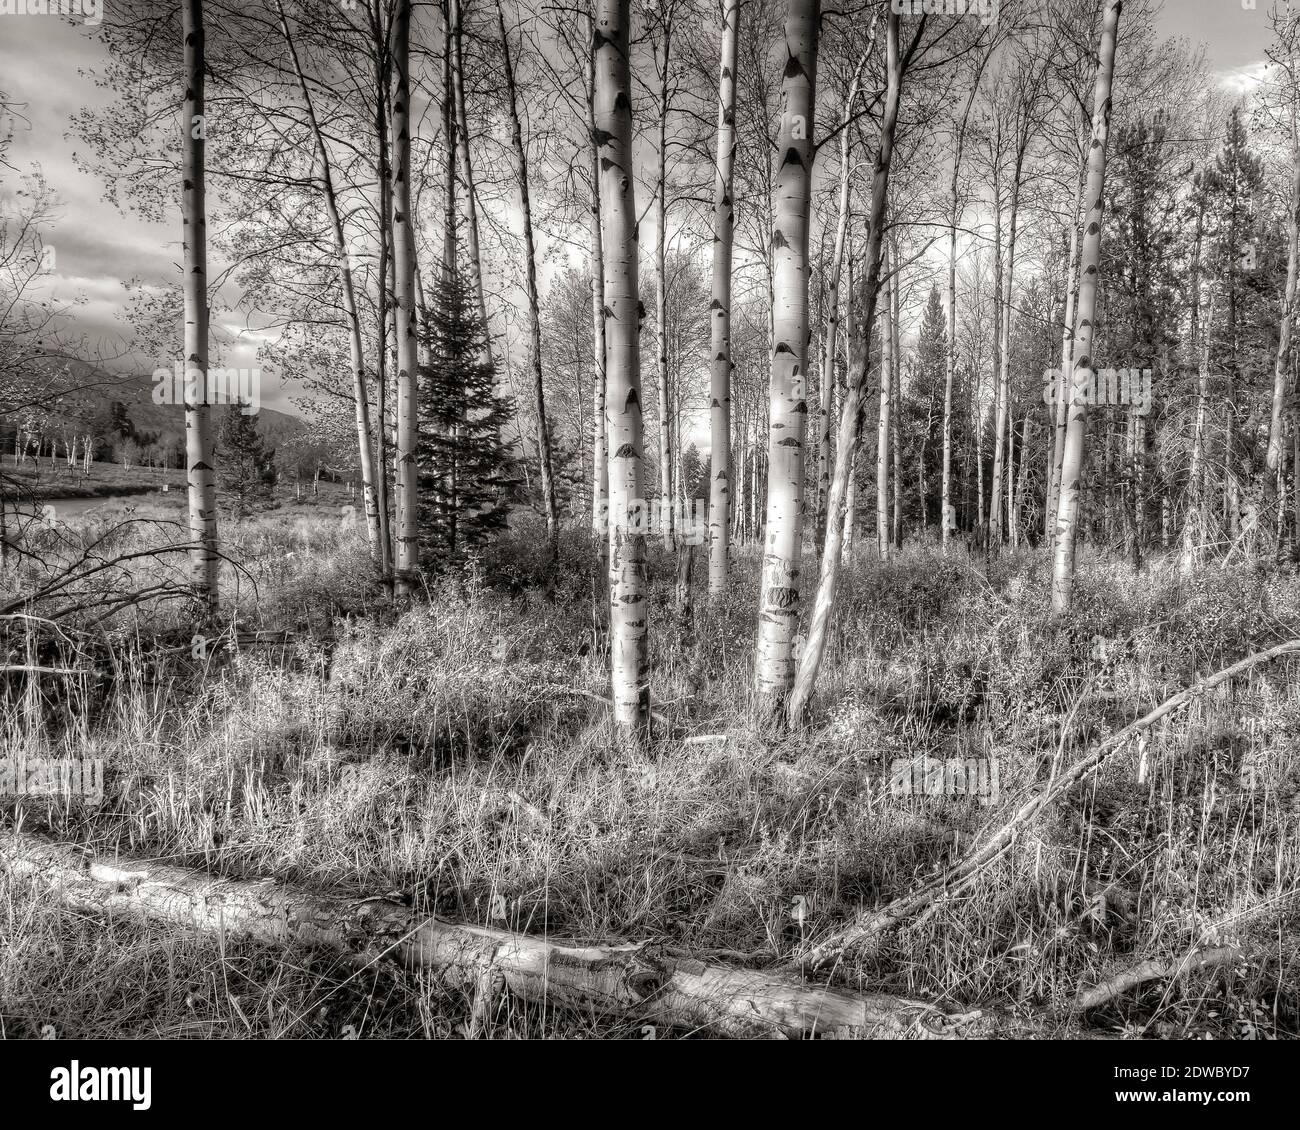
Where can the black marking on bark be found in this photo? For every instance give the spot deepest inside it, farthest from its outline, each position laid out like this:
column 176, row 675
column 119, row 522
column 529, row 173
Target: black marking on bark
column 792, row 158
column 633, row 397
column 782, row 599
column 782, row 347
column 626, row 451
column 789, row 441
column 779, row 240
column 793, row 67
column 621, row 102
column 801, row 407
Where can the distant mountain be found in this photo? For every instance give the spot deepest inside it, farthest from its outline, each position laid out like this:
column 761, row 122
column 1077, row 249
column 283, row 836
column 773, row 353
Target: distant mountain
column 96, row 389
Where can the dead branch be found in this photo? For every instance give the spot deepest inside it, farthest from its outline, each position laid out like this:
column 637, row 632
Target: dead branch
column 870, row 925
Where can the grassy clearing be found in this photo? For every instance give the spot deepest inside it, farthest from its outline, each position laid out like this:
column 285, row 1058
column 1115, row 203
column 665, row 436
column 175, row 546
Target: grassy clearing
column 458, row 754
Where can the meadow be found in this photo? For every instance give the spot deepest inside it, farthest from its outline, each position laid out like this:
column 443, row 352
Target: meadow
column 458, row 756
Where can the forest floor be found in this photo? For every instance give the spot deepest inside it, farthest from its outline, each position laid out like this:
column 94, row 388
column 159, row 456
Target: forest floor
column 459, row 756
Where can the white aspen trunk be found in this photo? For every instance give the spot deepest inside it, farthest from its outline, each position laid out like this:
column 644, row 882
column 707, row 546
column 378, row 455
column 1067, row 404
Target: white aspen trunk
column 545, row 471
column 1072, row 462
column 853, row 404
column 720, row 308
column 384, row 275
column 200, row 458
column 627, row 568
column 896, row 448
column 851, row 491
column 661, row 297
column 1067, row 346
column 1195, row 527
column 599, row 452
column 356, row 351
column 1005, row 375
column 407, row 557
column 779, row 605
column 883, row 417
column 1000, row 404
column 833, row 292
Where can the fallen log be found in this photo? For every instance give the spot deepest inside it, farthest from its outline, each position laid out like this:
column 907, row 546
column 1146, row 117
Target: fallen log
column 870, row 926
column 645, row 982
column 1153, row 970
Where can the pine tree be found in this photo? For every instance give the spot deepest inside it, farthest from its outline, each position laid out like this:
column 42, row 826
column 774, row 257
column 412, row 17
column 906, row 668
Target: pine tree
column 245, row 465
column 465, row 466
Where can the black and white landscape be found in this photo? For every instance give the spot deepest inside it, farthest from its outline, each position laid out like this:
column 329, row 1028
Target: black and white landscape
column 675, row 519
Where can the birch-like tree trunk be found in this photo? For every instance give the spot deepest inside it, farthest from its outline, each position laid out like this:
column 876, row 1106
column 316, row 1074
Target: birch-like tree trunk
column 356, row 351
column 882, row 420
column 1072, row 461
column 779, row 604
column 546, row 474
column 599, row 452
column 407, row 557
column 661, row 293
column 1195, row 527
column 720, row 307
column 833, row 291
column 627, row 509
column 994, row 527
column 1063, row 382
column 200, row 458
column 853, row 404
column 379, row 37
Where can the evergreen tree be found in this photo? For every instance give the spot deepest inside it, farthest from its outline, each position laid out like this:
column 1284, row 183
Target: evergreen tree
column 465, row 465
column 245, row 465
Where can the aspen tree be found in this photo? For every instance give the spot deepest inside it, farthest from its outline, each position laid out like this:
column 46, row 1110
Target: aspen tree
column 356, row 352
column 720, row 307
column 623, row 312
column 833, row 290
column 883, row 416
column 199, row 455
column 779, row 603
column 853, row 404
column 407, row 557
column 1072, row 460
column 545, row 470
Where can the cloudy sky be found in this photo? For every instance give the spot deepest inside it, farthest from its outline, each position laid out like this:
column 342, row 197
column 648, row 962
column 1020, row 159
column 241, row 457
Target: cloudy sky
column 42, row 60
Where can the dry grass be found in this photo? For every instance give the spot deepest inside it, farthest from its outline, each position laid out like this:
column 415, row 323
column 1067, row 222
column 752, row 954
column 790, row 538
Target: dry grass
column 446, row 754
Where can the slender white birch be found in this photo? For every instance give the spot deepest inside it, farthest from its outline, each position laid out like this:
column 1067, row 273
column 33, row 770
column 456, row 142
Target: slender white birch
column 545, row 469
column 1072, row 461
column 627, row 517
column 720, row 307
column 407, row 557
column 779, row 604
column 853, row 404
column 200, row 459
